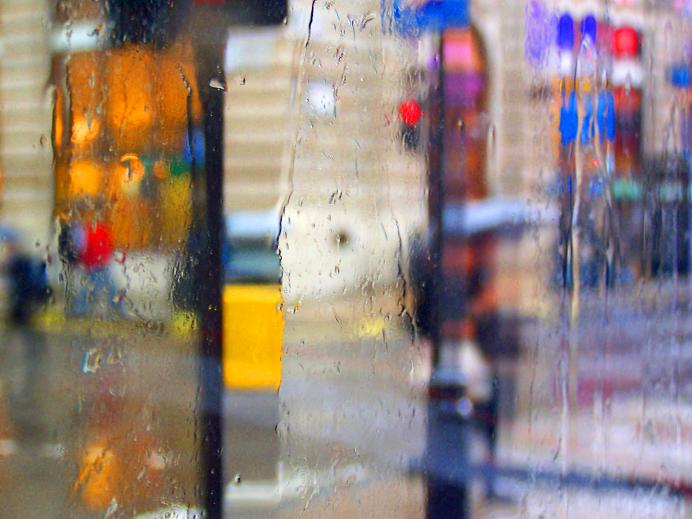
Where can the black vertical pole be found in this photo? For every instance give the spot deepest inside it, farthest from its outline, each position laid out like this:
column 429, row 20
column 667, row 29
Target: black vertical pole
column 208, row 23
column 436, row 152
column 446, row 452
column 208, row 206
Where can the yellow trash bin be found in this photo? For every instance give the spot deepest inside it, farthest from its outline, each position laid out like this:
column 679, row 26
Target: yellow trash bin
column 253, row 328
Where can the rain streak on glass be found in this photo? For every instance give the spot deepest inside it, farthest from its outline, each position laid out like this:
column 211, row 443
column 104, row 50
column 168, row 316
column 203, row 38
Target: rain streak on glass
column 345, row 258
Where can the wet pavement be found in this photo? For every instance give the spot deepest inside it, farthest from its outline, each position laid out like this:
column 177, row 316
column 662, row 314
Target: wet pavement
column 112, row 409
column 88, row 419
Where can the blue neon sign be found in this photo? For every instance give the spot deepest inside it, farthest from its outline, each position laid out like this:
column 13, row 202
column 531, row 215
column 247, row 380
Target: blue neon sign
column 433, row 16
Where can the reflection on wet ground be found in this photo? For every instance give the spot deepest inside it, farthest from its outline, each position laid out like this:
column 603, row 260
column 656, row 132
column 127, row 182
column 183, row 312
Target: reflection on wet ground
column 91, row 420
column 90, row 423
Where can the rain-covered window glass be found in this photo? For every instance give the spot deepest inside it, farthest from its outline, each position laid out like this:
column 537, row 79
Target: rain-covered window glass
column 351, row 258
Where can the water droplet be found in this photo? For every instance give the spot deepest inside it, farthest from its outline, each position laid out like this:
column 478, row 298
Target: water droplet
column 218, row 84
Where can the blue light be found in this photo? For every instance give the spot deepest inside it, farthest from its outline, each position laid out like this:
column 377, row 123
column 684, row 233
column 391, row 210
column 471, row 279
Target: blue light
column 434, row 16
column 587, row 130
column 589, row 27
column 680, row 76
column 569, row 120
column 606, row 116
column 565, row 32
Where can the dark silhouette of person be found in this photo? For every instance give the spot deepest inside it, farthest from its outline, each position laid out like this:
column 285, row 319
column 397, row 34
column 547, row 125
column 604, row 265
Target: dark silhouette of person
column 28, row 289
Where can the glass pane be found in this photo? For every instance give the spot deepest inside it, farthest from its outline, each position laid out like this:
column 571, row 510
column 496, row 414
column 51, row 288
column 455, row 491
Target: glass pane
column 364, row 258
column 102, row 413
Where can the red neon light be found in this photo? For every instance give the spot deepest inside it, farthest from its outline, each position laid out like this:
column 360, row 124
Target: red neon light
column 410, row 112
column 625, row 42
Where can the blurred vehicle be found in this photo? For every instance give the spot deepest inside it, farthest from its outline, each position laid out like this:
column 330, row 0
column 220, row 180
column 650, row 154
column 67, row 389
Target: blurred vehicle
column 252, row 305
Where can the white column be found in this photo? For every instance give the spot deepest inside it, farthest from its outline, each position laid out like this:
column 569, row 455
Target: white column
column 25, row 119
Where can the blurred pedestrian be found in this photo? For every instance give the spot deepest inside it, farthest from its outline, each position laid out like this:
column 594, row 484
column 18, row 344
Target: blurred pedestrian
column 28, row 284
column 71, row 241
column 19, row 277
column 24, row 350
column 96, row 257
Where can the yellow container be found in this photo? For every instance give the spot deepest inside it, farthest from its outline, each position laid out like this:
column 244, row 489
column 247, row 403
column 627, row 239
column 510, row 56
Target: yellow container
column 253, row 329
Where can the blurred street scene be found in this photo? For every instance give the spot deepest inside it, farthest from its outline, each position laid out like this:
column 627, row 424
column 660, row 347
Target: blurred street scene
column 398, row 258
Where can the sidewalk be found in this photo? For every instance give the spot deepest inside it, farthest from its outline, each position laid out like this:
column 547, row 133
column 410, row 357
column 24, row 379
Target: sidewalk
column 53, row 320
column 403, row 499
column 627, row 444
column 344, row 317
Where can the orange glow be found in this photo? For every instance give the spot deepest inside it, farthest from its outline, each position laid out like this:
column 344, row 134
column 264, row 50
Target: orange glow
column 161, row 169
column 147, row 96
column 115, row 110
column 108, row 466
column 85, row 179
column 131, row 223
column 98, row 477
column 130, row 106
column 84, row 131
column 174, row 80
column 59, row 120
column 125, row 176
column 85, row 87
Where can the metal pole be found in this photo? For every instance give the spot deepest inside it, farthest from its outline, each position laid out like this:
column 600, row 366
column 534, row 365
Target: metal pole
column 208, row 22
column 447, row 467
column 208, row 205
column 437, row 187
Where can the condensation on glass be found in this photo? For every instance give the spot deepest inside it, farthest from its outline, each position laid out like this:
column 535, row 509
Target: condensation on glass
column 99, row 406
column 386, row 258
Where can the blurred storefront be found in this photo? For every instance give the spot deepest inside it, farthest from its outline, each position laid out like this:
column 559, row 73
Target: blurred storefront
column 124, row 124
column 121, row 131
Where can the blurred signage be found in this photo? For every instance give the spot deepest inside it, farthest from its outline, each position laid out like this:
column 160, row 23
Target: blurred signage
column 158, row 21
column 248, row 12
column 412, row 17
column 139, row 22
column 210, row 20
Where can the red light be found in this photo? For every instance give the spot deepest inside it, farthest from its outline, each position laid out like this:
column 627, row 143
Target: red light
column 410, row 112
column 625, row 42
